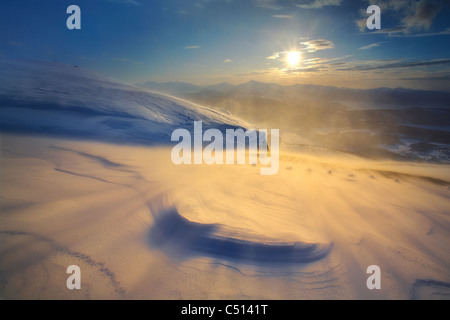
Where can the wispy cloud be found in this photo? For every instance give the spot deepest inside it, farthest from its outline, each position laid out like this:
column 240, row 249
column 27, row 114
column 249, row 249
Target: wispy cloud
column 269, row 4
column 388, row 31
column 428, row 34
column 404, row 32
column 423, row 16
column 274, row 56
column 370, row 46
column 381, row 64
column 327, row 61
column 191, row 47
column 227, row 61
column 415, row 15
column 309, row 46
column 318, row 4
column 316, row 45
column 282, row 16
column 362, row 22
column 332, row 66
column 304, row 4
column 417, row 72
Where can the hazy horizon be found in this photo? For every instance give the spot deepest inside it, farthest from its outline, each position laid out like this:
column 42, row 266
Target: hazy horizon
column 285, row 85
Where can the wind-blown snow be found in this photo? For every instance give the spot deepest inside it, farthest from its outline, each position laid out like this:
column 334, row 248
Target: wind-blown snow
column 141, row 227
column 46, row 97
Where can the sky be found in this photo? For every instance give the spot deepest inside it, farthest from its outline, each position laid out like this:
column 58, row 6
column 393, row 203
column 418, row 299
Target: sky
column 212, row 41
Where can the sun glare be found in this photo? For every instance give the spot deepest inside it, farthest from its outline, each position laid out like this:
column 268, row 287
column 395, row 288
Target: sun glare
column 293, row 58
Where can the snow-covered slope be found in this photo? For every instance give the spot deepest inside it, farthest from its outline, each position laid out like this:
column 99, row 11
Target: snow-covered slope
column 141, row 227
column 48, row 97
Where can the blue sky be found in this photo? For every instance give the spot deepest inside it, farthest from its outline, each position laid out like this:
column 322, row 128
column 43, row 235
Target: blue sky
column 211, row 41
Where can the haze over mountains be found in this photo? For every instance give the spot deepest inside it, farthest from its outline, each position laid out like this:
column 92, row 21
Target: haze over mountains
column 400, row 96
column 382, row 122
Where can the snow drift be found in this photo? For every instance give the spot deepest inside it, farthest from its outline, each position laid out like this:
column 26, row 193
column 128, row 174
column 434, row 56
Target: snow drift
column 140, row 227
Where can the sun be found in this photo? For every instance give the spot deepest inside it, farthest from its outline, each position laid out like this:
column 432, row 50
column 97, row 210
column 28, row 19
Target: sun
column 293, row 58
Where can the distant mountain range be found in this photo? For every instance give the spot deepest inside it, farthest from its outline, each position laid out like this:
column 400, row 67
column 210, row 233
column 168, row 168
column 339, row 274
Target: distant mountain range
column 381, row 122
column 383, row 95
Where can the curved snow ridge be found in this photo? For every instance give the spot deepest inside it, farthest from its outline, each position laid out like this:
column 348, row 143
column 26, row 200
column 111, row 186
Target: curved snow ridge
column 52, row 97
column 181, row 238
